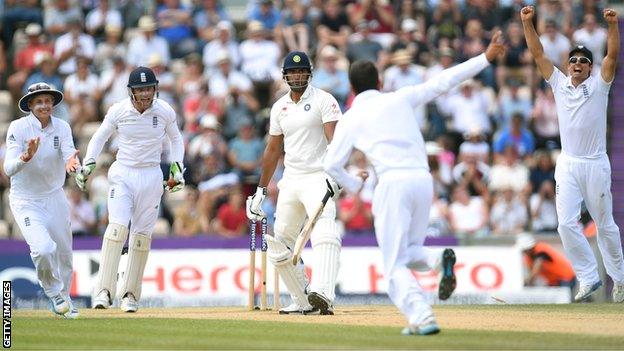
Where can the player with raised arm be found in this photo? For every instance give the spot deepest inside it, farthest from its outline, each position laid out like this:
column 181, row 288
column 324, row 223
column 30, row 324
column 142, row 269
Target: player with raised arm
column 383, row 126
column 302, row 124
column 583, row 170
column 142, row 122
column 39, row 150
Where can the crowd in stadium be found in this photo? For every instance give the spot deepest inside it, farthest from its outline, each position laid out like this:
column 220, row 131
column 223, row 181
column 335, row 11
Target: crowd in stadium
column 492, row 142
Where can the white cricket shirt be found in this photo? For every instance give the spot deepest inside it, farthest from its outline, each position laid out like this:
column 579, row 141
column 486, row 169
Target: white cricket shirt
column 140, row 135
column 582, row 114
column 301, row 124
column 383, row 126
column 44, row 174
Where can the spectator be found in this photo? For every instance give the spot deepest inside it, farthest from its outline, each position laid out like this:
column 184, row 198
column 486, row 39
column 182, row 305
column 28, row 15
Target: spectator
column 225, row 77
column 166, row 80
column 206, row 19
column 509, row 213
column 24, row 60
column 556, row 45
column 187, row 221
column 100, row 17
column 557, row 13
column 81, row 213
column 245, row 154
column 240, row 108
column 468, row 215
column 544, row 170
column 82, row 95
column 45, row 72
column 224, row 42
column 198, row 104
column 404, row 73
column 475, row 144
column 412, row 38
column 438, row 218
column 517, row 136
column 380, row 17
column 487, row 12
column 297, row 29
column 545, row 263
column 330, row 76
column 112, row 83
column 190, row 82
column 514, row 100
column 543, row 209
column 267, row 14
column 362, row 47
column 356, row 214
column 516, row 62
column 545, row 122
column 72, row 45
column 111, row 47
column 15, row 13
column 474, row 174
column 143, row 46
column 447, row 18
column 594, row 38
column 231, row 219
column 473, row 44
column 468, row 109
column 510, row 172
column 59, row 17
column 333, row 28
column 209, row 142
column 174, row 25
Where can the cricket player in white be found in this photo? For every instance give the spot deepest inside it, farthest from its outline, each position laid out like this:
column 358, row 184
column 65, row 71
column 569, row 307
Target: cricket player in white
column 302, row 124
column 39, row 151
column 383, row 126
column 583, row 171
column 141, row 121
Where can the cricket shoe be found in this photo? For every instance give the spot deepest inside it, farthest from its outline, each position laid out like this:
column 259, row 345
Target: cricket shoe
column 586, row 290
column 428, row 327
column 618, row 292
column 321, row 303
column 294, row 308
column 103, row 300
column 129, row 303
column 448, row 282
column 58, row 305
column 72, row 314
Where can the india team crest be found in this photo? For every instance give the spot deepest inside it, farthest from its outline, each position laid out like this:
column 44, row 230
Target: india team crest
column 307, row 107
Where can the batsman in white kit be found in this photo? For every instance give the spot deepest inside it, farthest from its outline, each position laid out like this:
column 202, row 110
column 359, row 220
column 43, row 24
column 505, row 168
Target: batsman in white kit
column 383, row 126
column 302, row 124
column 40, row 149
column 583, row 170
column 141, row 121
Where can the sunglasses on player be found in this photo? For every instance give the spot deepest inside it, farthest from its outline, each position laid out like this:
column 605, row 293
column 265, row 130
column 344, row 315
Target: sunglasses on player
column 581, row 59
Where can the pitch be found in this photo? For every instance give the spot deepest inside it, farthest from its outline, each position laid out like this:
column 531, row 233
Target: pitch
column 576, row 326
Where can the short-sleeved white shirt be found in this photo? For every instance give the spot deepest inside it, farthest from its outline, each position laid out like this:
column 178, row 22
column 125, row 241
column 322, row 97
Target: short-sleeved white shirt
column 582, row 114
column 301, row 124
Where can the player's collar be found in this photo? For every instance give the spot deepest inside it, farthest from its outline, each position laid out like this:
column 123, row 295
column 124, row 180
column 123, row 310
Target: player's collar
column 585, row 82
column 365, row 95
column 34, row 121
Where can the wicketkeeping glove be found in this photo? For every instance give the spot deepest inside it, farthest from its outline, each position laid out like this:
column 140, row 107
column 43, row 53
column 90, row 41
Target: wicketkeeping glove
column 254, row 204
column 83, row 174
column 176, row 177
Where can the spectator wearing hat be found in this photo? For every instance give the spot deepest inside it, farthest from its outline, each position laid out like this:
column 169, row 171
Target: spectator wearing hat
column 332, row 78
column 224, row 42
column 24, row 60
column 39, row 152
column 175, row 26
column 148, row 43
column 59, row 16
column 404, row 73
column 412, row 37
column 100, row 17
column 437, row 124
column 208, row 141
column 333, row 28
column 166, row 80
column 475, row 144
column 110, row 48
column 72, row 45
column 225, row 79
column 206, row 18
column 556, row 45
column 544, row 263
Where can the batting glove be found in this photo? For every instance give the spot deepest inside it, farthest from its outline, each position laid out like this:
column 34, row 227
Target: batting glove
column 254, row 204
column 176, row 174
column 83, row 174
column 333, row 188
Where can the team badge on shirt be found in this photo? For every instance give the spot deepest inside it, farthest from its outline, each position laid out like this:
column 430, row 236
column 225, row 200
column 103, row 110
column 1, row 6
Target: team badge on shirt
column 307, row 107
column 57, row 142
column 155, row 122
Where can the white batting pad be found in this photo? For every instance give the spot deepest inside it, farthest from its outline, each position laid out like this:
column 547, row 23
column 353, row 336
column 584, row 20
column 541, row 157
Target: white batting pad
column 327, row 260
column 138, row 250
column 280, row 256
column 114, row 239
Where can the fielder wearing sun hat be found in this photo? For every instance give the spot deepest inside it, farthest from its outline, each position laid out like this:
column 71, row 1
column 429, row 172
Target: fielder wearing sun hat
column 37, row 89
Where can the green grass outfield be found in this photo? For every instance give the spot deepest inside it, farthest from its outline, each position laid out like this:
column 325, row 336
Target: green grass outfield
column 463, row 327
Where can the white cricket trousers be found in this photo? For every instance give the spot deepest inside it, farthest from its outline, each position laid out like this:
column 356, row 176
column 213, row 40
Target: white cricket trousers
column 590, row 180
column 401, row 205
column 46, row 227
column 134, row 196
